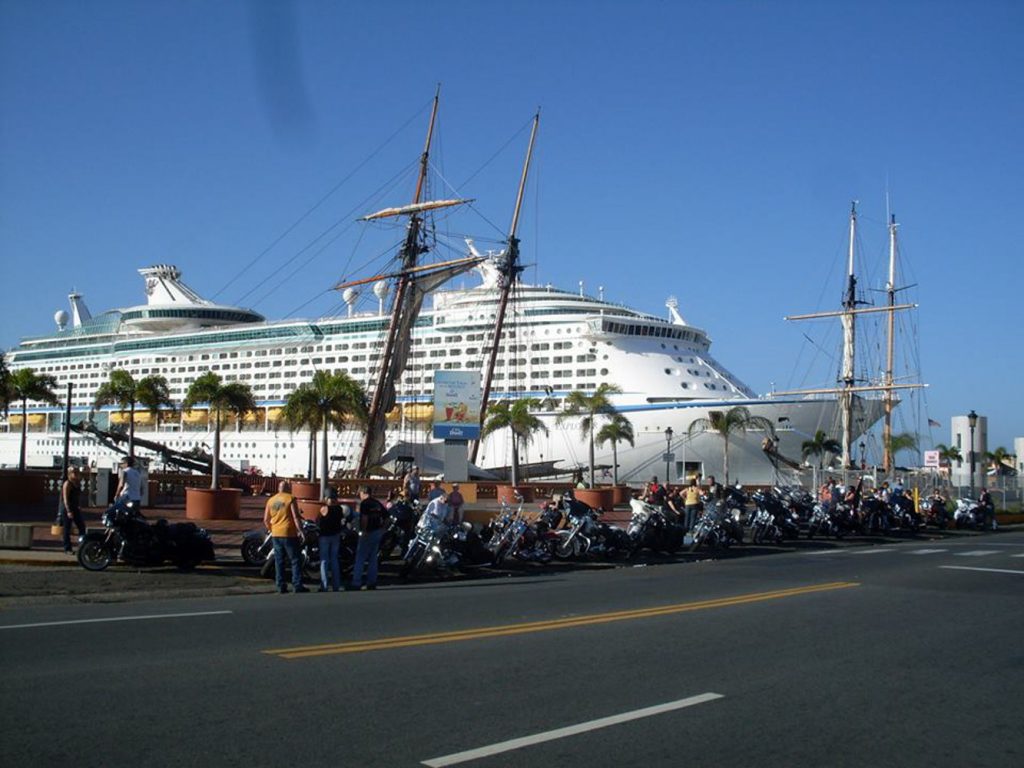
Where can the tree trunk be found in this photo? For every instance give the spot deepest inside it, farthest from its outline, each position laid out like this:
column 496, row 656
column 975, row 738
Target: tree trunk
column 725, row 462
column 131, row 429
column 323, row 459
column 515, row 460
column 215, row 469
column 24, row 434
column 592, row 452
column 615, row 462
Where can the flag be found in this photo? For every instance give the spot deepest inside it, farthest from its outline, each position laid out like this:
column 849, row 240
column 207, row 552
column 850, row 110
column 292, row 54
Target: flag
column 933, row 423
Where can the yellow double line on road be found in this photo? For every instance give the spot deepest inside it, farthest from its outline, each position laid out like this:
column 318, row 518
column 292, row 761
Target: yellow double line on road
column 386, row 643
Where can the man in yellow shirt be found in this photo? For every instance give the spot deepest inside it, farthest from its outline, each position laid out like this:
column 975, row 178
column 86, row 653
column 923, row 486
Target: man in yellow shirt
column 281, row 517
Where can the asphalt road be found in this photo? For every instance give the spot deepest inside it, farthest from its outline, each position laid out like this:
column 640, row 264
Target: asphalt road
column 904, row 655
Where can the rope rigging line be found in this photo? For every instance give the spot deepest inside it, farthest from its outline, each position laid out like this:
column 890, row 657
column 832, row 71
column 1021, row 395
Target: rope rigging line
column 321, row 201
column 347, row 217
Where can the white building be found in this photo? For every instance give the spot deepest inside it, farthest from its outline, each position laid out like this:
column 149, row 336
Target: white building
column 1018, row 450
column 960, row 429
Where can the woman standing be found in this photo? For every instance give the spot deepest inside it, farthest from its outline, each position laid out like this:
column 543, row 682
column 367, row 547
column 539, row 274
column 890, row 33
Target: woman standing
column 70, row 506
column 331, row 515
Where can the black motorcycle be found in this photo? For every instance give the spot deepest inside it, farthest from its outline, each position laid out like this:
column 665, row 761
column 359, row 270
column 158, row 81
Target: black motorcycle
column 649, row 528
column 129, row 538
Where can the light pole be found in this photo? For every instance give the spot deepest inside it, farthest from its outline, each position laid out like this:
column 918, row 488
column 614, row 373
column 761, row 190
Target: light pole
column 972, row 421
column 668, row 454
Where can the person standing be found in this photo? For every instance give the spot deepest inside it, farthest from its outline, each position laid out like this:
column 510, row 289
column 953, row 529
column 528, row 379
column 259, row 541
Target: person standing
column 455, row 501
column 691, row 506
column 714, row 489
column 412, row 484
column 129, row 489
column 371, row 528
column 331, row 515
column 281, row 517
column 988, row 509
column 71, row 507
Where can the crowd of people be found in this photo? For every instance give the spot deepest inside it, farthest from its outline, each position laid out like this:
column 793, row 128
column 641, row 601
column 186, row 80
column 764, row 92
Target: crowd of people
column 282, row 518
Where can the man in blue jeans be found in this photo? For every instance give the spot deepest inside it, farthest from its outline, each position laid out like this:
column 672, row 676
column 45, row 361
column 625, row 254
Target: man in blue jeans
column 282, row 519
column 371, row 528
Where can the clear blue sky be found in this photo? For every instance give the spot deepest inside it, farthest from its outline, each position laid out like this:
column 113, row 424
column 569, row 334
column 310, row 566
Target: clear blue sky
column 708, row 150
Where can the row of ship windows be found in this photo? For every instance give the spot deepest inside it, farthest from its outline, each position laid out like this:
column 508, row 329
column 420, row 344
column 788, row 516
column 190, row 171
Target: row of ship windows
column 305, row 362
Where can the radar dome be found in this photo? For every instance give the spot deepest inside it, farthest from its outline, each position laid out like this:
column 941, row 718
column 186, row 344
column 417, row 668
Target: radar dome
column 60, row 317
column 380, row 289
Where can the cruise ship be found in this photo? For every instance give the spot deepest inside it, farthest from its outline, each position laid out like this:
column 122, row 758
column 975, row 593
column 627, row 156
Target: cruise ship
column 553, row 342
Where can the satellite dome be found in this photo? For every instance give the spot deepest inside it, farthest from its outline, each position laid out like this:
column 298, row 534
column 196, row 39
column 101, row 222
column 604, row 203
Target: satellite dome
column 60, row 317
column 380, row 289
column 350, row 295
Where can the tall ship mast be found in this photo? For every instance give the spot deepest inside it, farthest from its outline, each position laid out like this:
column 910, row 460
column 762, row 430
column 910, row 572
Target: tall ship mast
column 849, row 390
column 412, row 285
column 508, row 274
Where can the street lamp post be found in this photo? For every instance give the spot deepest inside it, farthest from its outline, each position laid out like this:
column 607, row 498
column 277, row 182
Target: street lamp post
column 668, row 453
column 972, row 421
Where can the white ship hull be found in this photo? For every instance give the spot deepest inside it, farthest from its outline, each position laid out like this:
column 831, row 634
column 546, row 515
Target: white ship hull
column 553, row 342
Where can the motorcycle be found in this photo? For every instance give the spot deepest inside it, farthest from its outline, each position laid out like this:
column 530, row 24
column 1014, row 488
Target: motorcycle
column 649, row 528
column 828, row 522
column 129, row 538
column 904, row 516
column 715, row 528
column 428, row 547
column 936, row 512
column 969, row 514
column 776, row 517
column 399, row 526
column 309, row 552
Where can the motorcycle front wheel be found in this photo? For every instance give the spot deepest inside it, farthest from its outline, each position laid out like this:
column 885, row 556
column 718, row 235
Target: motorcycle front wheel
column 95, row 556
column 251, row 551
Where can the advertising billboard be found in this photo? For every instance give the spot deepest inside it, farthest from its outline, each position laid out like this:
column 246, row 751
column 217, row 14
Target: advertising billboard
column 457, row 398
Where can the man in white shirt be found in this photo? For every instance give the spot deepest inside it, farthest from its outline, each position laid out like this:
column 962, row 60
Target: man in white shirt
column 437, row 510
column 130, row 487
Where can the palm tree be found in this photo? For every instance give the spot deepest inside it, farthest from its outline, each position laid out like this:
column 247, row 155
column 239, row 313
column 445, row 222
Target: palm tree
column 949, row 454
column 619, row 429
column 725, row 423
column 234, row 398
column 518, row 418
column 120, row 389
column 25, row 384
column 330, row 399
column 997, row 457
column 902, row 442
column 153, row 393
column 819, row 446
column 590, row 407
